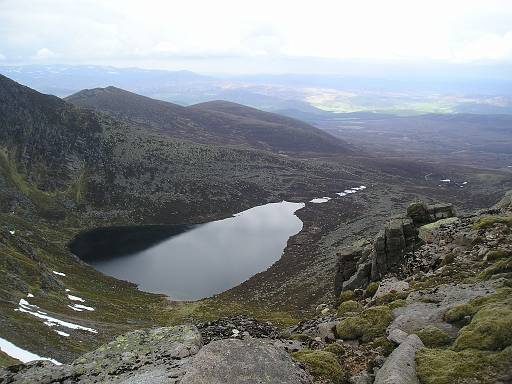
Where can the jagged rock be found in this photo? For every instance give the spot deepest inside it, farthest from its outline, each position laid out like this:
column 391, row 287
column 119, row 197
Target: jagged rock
column 398, row 237
column 224, row 328
column 400, row 366
column 243, row 362
column 348, row 261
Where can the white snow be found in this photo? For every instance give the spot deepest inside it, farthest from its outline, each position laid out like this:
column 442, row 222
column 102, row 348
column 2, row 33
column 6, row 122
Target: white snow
column 12, row 232
column 75, row 309
column 62, row 333
column 68, row 290
column 349, row 191
column 30, row 295
column 80, row 306
column 76, row 298
column 21, row 354
column 464, row 183
column 341, row 194
column 59, row 273
column 320, row 200
column 25, row 307
column 445, row 180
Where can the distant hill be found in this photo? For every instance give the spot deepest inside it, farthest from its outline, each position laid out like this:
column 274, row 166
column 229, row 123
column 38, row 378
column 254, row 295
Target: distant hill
column 216, row 122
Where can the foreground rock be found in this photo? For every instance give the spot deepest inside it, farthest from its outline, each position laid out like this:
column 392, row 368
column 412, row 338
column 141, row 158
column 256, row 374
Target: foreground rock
column 243, row 362
column 400, row 366
column 169, row 355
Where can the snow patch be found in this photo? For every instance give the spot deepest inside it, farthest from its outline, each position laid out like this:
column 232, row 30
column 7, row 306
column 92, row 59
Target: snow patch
column 30, row 295
column 341, row 194
column 81, row 307
column 320, row 200
column 445, row 181
column 25, row 307
column 76, row 298
column 62, row 333
column 59, row 273
column 21, row 354
column 12, row 232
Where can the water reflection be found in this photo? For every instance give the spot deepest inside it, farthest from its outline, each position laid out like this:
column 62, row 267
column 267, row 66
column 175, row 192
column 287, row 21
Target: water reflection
column 212, row 257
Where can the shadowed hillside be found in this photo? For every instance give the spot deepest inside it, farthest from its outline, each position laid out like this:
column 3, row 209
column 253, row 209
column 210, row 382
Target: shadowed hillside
column 216, row 122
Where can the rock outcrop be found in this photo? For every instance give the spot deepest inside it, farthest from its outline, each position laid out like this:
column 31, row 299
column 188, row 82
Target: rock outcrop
column 169, row 355
column 365, row 262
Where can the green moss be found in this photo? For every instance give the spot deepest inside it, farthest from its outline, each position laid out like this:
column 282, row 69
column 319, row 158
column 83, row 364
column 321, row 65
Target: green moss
column 6, row 360
column 300, row 337
column 397, row 304
column 390, row 297
column 335, row 348
column 489, row 221
column 459, row 312
column 321, row 364
column 371, row 289
column 347, row 295
column 434, row 337
column 368, row 325
column 490, row 329
column 444, row 366
column 500, row 266
column 497, row 254
column 384, row 344
column 449, row 259
column 349, row 306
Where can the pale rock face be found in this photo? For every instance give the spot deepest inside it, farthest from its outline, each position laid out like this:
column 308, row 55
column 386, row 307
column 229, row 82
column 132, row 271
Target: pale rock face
column 243, row 362
column 400, row 366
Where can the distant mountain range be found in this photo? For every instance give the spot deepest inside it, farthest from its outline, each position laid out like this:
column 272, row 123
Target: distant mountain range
column 290, row 94
column 215, row 122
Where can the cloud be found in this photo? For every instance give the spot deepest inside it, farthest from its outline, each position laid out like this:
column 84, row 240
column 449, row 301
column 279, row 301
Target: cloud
column 95, row 31
column 44, row 54
column 2, row 57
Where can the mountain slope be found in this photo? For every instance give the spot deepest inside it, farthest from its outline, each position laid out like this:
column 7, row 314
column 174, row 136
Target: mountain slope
column 217, row 122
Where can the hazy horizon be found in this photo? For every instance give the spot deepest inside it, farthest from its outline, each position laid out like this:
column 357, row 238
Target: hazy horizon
column 228, row 37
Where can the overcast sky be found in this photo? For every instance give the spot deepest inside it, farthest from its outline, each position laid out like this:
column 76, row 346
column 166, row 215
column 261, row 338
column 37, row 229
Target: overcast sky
column 251, row 36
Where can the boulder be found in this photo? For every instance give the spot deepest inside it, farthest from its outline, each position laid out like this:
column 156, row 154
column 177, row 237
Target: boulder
column 397, row 336
column 243, row 362
column 400, row 366
column 391, row 285
column 427, row 308
column 151, row 356
column 326, row 331
column 440, row 211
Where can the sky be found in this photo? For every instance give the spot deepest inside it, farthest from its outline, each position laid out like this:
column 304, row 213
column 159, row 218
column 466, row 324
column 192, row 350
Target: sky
column 256, row 36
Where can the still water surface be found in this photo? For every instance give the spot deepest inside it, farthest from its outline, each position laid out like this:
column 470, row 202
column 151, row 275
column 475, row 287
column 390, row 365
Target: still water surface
column 206, row 259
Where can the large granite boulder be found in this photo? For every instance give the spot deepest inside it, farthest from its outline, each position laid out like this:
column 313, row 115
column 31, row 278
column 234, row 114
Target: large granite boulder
column 400, row 366
column 152, row 356
column 245, row 361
